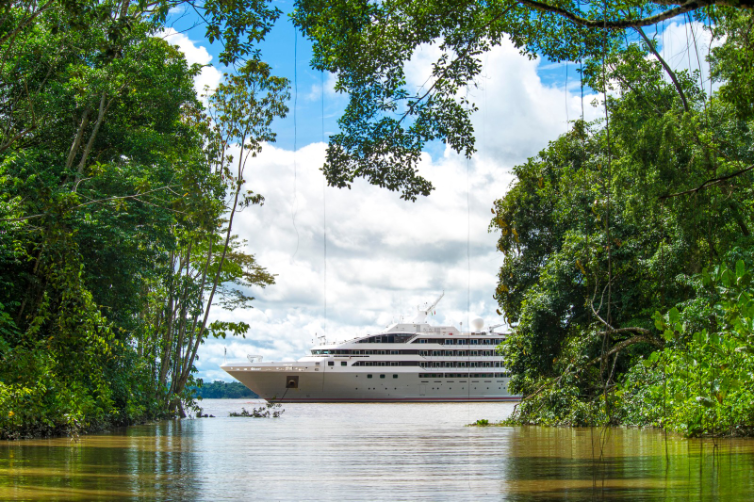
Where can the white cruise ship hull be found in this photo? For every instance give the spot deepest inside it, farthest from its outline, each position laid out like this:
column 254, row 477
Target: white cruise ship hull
column 305, row 383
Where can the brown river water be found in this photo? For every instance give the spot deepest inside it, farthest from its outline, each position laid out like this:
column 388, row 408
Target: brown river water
column 372, row 452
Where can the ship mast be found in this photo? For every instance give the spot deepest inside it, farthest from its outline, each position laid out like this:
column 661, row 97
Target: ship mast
column 421, row 315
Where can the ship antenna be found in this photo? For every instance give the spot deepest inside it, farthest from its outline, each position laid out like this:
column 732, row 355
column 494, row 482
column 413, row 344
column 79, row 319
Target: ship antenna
column 421, row 316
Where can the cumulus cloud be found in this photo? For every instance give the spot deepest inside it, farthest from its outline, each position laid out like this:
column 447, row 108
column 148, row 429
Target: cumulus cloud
column 386, row 256
column 195, row 54
column 685, row 46
column 518, row 112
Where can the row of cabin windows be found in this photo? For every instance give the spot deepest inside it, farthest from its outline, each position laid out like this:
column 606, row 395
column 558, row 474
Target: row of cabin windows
column 465, row 375
column 461, row 364
column 456, row 375
column 364, row 352
column 403, row 338
column 439, row 364
column 460, row 341
column 386, row 363
column 455, row 352
column 392, row 338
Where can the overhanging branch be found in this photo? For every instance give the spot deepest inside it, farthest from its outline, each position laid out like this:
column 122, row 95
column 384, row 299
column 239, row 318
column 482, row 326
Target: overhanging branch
column 709, row 183
column 624, row 23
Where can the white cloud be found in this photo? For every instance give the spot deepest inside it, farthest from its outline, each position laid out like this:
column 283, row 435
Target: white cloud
column 328, row 85
column 209, row 76
column 686, row 47
column 385, row 256
column 518, row 113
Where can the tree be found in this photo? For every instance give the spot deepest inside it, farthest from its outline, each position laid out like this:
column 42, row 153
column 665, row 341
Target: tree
column 367, row 44
column 601, row 235
column 117, row 205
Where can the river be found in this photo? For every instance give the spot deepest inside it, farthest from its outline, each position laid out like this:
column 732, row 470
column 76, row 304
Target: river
column 371, row 452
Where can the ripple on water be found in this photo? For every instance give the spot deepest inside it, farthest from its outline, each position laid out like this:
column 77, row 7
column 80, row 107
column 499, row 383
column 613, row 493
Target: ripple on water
column 373, row 452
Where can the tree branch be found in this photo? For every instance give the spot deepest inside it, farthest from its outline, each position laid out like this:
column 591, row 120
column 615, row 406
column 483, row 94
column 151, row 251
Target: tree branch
column 708, row 183
column 670, row 72
column 625, row 23
column 652, row 340
column 441, row 77
column 96, row 201
column 641, row 331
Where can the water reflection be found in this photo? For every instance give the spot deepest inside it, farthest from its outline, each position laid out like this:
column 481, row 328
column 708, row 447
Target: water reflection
column 373, row 452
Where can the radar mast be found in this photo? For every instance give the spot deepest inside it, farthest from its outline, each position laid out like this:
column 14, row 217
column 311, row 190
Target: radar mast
column 421, row 315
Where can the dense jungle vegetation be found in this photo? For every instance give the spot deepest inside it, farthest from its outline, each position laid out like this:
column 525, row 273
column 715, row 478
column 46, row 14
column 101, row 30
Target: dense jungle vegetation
column 627, row 242
column 119, row 189
column 627, row 277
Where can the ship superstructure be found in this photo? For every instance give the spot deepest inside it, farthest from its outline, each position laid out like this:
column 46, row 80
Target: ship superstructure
column 406, row 362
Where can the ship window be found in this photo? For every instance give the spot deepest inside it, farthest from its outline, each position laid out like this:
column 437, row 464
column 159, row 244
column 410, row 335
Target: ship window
column 343, row 363
column 395, row 376
column 369, row 376
column 382, row 376
column 330, row 363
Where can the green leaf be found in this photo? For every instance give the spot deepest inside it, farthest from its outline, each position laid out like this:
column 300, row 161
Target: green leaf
column 740, row 269
column 674, row 315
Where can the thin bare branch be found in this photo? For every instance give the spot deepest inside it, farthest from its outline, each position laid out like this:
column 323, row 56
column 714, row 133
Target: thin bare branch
column 709, row 183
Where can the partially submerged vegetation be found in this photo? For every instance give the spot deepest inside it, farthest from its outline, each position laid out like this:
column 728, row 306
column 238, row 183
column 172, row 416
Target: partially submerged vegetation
column 269, row 410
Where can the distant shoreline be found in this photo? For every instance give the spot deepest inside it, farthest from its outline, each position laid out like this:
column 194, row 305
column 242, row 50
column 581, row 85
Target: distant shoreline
column 223, row 390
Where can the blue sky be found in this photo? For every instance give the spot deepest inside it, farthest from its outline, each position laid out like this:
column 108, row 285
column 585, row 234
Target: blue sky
column 385, row 256
column 281, row 47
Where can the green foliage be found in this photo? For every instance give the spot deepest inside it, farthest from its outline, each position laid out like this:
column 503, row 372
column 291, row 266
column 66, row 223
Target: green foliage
column 702, row 382
column 223, row 390
column 386, row 123
column 609, row 224
column 114, row 228
column 601, row 234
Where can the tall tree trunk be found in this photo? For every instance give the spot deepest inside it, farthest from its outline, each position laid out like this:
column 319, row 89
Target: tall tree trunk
column 192, row 354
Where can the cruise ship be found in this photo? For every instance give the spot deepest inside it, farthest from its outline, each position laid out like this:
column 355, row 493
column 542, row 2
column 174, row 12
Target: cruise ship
column 407, row 362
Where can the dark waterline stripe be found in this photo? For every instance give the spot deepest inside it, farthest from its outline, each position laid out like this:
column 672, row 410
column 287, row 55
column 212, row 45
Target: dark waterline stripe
column 400, row 400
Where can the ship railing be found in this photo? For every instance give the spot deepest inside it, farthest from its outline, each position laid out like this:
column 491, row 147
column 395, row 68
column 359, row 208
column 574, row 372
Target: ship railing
column 271, row 367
